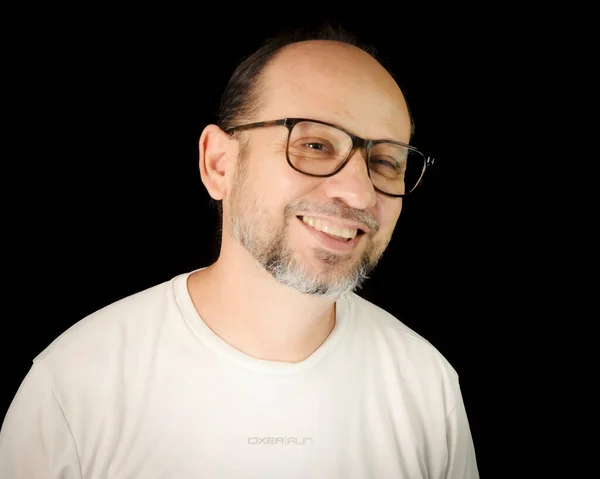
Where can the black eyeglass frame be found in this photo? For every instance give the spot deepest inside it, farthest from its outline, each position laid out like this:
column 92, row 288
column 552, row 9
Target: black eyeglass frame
column 357, row 142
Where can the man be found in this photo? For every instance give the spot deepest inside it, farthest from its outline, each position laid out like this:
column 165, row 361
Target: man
column 265, row 363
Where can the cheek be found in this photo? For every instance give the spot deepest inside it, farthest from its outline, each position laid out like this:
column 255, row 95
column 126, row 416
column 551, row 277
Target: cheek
column 285, row 185
column 388, row 213
column 274, row 188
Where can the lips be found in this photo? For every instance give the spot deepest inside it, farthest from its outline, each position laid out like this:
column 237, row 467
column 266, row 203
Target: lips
column 334, row 238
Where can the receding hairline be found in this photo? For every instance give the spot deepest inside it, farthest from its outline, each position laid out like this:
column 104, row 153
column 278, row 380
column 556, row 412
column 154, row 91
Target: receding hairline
column 246, row 93
column 261, row 88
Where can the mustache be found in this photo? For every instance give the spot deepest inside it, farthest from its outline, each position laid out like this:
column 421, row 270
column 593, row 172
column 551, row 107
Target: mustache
column 336, row 209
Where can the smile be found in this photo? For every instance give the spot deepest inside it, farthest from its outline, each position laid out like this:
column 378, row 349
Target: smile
column 338, row 232
column 331, row 230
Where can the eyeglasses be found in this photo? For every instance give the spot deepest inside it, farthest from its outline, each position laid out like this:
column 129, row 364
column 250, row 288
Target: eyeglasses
column 320, row 149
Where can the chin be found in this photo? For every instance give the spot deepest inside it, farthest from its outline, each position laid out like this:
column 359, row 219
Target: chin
column 324, row 274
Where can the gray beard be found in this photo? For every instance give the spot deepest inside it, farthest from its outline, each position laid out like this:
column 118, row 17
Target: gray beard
column 276, row 258
column 272, row 252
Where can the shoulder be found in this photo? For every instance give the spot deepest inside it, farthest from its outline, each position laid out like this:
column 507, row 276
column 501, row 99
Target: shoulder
column 392, row 338
column 112, row 327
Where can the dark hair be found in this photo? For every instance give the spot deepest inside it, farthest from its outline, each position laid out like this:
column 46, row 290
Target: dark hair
column 241, row 98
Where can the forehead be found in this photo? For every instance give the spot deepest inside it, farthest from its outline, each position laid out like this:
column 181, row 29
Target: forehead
column 336, row 83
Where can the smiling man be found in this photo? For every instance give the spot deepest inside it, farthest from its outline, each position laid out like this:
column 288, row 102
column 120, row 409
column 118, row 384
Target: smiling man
column 266, row 363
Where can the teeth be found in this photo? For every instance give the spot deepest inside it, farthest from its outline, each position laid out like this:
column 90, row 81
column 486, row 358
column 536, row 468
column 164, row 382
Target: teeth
column 325, row 227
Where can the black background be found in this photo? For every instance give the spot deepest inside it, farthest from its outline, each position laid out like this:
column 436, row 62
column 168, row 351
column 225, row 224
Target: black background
column 108, row 109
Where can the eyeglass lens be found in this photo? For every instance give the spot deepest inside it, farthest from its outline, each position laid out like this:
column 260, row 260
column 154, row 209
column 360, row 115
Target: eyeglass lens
column 319, row 149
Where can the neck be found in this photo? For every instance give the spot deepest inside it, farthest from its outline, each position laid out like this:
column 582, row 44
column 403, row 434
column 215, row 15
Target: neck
column 248, row 309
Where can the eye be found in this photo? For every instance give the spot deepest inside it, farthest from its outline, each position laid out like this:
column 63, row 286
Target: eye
column 312, row 147
column 387, row 168
column 386, row 164
column 315, row 146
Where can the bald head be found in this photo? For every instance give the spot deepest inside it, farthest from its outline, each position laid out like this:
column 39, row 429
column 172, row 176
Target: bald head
column 308, row 64
column 335, row 82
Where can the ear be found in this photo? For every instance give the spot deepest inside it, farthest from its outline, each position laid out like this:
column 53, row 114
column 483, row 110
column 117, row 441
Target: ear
column 217, row 153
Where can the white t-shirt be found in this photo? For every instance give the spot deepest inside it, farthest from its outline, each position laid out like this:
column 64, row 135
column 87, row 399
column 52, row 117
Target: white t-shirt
column 143, row 388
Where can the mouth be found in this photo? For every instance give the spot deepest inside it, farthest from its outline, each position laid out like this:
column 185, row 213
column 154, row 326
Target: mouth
column 331, row 234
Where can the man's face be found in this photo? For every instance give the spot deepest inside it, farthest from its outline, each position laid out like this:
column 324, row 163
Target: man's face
column 291, row 223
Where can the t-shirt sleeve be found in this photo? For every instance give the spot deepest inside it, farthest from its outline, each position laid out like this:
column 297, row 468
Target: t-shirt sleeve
column 462, row 462
column 35, row 439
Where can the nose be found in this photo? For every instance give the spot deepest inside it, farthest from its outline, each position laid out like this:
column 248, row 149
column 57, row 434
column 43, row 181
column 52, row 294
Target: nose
column 352, row 184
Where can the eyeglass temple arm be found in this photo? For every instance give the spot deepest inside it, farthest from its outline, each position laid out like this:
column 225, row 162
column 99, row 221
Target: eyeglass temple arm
column 258, row 124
